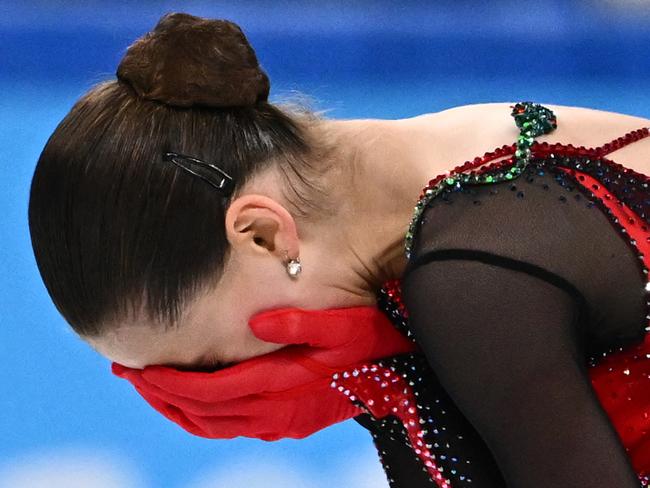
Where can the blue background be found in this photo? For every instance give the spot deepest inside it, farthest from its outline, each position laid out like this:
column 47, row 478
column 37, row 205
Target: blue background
column 66, row 421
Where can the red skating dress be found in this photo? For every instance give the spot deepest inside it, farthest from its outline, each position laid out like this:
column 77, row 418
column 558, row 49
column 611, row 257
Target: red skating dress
column 527, row 292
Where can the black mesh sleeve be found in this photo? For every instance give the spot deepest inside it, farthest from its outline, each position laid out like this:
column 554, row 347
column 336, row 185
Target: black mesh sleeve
column 507, row 344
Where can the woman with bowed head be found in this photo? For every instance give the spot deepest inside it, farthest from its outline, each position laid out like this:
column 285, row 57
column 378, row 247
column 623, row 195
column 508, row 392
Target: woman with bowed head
column 256, row 269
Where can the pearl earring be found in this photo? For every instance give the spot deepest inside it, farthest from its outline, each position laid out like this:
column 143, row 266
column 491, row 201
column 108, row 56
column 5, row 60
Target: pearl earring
column 293, row 265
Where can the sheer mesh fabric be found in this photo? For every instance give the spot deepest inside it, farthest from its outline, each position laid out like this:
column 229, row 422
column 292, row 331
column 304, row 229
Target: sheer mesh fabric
column 548, row 226
column 508, row 297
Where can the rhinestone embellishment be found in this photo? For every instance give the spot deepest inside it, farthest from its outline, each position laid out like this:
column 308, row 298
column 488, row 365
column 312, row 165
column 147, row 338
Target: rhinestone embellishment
column 294, row 267
column 401, row 393
column 532, row 119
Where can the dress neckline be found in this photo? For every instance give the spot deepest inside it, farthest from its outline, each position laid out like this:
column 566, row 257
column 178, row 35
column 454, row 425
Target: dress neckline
column 533, row 119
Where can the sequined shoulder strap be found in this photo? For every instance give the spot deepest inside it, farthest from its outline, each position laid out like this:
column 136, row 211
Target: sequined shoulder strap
column 532, row 119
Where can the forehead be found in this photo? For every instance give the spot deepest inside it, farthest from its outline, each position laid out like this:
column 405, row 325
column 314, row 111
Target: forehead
column 137, row 344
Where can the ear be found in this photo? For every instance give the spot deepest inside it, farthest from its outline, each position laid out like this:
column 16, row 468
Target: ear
column 260, row 224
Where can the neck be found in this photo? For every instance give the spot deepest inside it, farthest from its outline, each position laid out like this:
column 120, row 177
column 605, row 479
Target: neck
column 388, row 164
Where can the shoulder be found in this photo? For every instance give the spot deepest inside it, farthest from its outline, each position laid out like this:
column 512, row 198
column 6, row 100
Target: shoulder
column 493, row 125
column 489, row 109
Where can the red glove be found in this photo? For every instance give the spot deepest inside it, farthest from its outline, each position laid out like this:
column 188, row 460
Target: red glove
column 285, row 393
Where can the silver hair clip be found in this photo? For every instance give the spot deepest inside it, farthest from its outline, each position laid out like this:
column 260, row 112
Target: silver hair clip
column 208, row 172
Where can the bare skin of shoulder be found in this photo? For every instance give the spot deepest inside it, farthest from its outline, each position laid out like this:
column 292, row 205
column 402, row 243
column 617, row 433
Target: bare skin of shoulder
column 474, row 129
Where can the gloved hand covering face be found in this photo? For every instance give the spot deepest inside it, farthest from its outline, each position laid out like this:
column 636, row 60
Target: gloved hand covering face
column 285, row 393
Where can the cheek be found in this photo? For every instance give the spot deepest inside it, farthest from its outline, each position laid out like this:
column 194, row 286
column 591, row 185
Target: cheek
column 248, row 295
column 243, row 344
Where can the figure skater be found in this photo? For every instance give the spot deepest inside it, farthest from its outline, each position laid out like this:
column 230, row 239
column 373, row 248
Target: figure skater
column 258, row 269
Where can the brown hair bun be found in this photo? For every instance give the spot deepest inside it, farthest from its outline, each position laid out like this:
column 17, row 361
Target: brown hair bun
column 188, row 60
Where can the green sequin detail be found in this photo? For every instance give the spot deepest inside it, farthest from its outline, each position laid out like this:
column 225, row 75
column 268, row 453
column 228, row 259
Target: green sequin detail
column 533, row 120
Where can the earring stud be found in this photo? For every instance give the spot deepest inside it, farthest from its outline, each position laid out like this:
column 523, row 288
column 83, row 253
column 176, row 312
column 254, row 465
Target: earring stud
column 293, row 266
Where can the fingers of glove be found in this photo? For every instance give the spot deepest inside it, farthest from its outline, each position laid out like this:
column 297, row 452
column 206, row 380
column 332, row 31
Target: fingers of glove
column 230, row 426
column 171, row 413
column 218, row 427
column 325, row 328
column 118, row 369
column 259, row 405
column 276, row 371
column 281, row 418
column 198, row 406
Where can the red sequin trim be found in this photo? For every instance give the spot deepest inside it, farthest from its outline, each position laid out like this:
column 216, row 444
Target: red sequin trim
column 384, row 392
